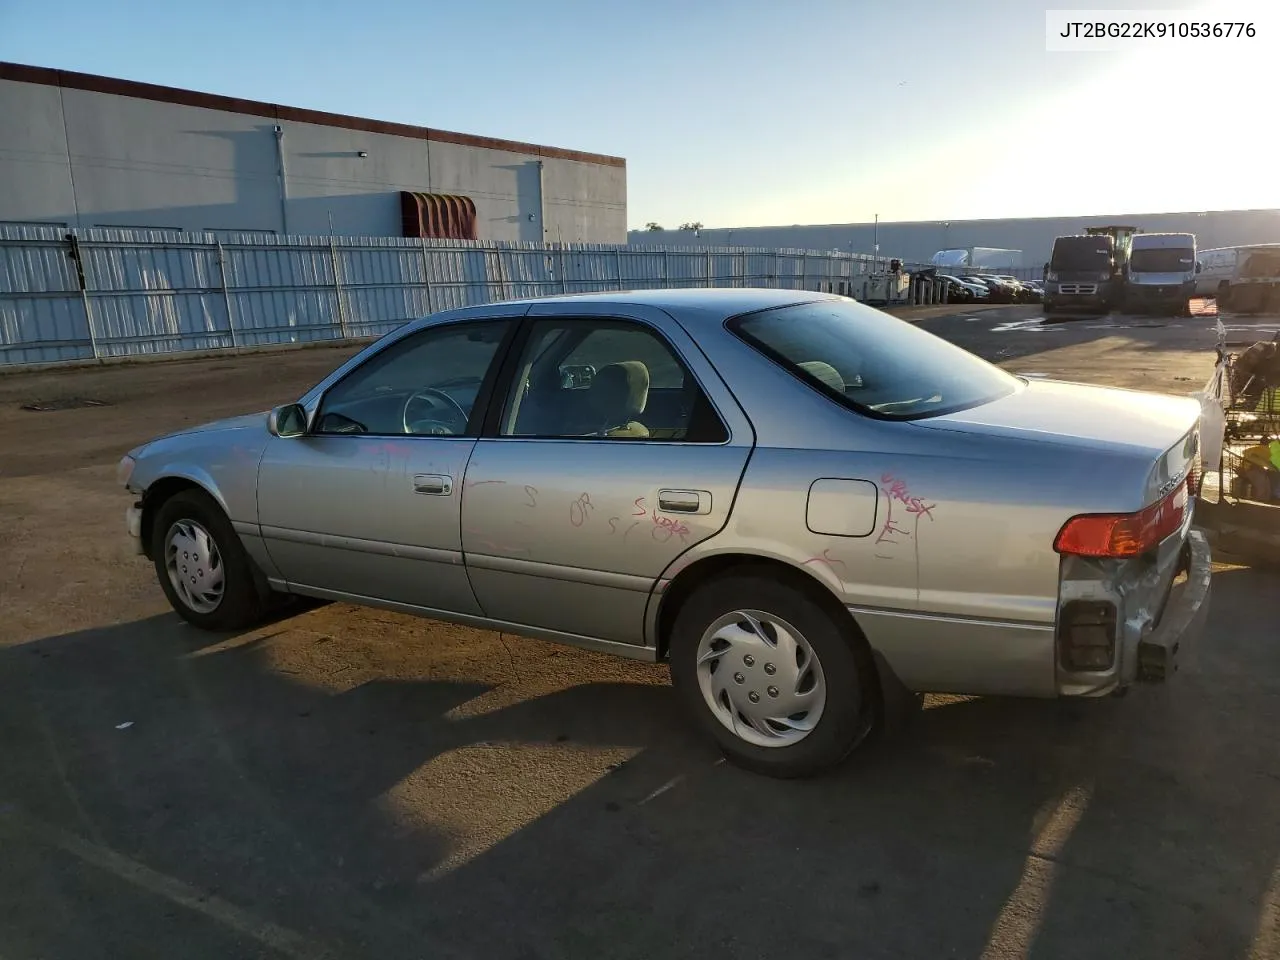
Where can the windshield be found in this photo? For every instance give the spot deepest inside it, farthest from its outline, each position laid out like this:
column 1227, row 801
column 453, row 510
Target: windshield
column 1092, row 254
column 1164, row 260
column 872, row 362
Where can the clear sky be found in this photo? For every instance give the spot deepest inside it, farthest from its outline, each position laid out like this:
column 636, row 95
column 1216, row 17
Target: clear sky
column 741, row 112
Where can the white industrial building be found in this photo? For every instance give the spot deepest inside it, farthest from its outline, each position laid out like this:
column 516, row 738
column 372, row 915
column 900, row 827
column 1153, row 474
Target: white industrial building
column 917, row 241
column 78, row 150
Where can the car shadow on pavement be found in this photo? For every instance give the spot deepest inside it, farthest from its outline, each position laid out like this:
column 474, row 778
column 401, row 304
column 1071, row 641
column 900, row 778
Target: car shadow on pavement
column 407, row 817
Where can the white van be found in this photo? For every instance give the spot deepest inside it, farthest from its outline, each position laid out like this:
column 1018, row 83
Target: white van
column 1217, row 269
column 1162, row 272
column 1244, row 278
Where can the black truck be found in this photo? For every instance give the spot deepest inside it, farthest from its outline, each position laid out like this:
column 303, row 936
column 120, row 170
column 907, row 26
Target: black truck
column 1082, row 275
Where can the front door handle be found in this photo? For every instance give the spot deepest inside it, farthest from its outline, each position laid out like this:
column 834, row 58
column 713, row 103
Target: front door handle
column 432, row 484
column 684, row 501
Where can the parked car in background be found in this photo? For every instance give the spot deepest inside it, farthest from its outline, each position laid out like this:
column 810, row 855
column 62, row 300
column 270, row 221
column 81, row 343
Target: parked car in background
column 960, row 291
column 1035, row 290
column 1026, row 290
column 1001, row 291
column 804, row 505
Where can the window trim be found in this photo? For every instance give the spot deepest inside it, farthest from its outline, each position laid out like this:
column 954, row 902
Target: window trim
column 515, row 354
column 484, row 396
column 734, row 326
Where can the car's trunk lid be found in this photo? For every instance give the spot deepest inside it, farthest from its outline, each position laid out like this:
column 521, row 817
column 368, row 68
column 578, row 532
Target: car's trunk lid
column 1160, row 429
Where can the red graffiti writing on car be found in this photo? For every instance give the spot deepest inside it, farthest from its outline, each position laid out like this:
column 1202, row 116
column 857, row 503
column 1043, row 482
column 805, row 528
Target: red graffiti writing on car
column 896, row 489
column 664, row 528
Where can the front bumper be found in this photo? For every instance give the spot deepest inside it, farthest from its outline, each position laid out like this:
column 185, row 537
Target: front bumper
column 1085, row 302
column 1158, row 295
column 133, row 524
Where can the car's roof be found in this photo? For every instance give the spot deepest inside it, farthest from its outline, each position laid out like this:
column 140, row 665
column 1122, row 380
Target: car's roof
column 707, row 301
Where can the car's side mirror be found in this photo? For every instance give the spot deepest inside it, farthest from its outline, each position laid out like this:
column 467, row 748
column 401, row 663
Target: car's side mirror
column 289, row 420
column 1197, row 266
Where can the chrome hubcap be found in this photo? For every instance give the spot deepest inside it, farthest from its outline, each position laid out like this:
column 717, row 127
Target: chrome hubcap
column 761, row 678
column 194, row 565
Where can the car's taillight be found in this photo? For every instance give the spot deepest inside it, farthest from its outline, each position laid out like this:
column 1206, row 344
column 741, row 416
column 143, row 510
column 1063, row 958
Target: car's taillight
column 1123, row 534
column 1195, row 475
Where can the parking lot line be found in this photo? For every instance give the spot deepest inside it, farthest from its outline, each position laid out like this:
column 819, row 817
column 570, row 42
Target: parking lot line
column 20, row 826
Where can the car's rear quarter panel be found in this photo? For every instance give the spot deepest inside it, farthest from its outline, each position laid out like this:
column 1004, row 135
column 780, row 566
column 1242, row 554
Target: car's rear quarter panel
column 957, row 583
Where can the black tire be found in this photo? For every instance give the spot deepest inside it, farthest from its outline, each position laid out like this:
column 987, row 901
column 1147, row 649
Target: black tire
column 842, row 654
column 244, row 599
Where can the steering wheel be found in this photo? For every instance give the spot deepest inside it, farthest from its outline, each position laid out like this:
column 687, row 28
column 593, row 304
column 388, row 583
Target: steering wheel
column 456, row 418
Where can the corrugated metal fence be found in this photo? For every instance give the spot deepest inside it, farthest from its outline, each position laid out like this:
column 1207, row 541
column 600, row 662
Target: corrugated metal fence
column 113, row 293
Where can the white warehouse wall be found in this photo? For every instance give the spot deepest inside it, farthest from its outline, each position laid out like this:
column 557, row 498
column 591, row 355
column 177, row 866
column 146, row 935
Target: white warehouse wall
column 76, row 152
column 35, row 182
column 917, row 241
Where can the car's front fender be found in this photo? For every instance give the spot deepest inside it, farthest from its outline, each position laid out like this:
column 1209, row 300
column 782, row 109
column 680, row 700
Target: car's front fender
column 223, row 463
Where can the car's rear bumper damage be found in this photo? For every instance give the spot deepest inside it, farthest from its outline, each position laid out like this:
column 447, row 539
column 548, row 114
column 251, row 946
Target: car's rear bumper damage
column 1180, row 624
column 1132, row 623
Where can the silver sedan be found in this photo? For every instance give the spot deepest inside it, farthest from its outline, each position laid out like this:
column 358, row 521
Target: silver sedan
column 807, row 506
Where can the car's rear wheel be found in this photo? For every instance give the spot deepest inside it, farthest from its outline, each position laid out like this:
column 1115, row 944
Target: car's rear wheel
column 202, row 566
column 779, row 682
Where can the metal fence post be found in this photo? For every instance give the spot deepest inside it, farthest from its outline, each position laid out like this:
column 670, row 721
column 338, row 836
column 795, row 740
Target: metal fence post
column 426, row 275
column 564, row 280
column 502, row 273
column 804, row 271
column 617, row 256
column 337, row 289
column 77, row 257
column 226, row 296
column 666, row 268
column 710, row 278
column 775, row 268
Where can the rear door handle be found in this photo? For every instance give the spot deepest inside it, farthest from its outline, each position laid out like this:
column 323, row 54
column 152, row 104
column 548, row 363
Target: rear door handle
column 433, row 484
column 684, row 501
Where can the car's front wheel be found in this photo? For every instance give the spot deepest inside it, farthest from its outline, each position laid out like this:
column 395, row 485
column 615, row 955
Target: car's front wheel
column 781, row 684
column 202, row 566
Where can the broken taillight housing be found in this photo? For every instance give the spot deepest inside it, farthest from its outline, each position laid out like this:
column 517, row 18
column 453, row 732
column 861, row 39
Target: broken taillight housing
column 1087, row 635
column 1121, row 535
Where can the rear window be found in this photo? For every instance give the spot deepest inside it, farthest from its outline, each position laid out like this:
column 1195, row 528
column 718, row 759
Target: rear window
column 872, row 362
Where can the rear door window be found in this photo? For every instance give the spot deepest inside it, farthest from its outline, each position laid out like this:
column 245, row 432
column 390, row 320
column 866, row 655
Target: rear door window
column 607, row 379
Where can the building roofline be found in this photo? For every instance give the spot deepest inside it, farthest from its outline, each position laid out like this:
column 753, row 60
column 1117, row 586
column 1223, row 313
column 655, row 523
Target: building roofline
column 93, row 83
column 955, row 221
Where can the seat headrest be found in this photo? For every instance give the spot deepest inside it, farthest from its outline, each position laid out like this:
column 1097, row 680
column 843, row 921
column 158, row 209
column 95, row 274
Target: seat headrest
column 622, row 388
column 825, row 372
